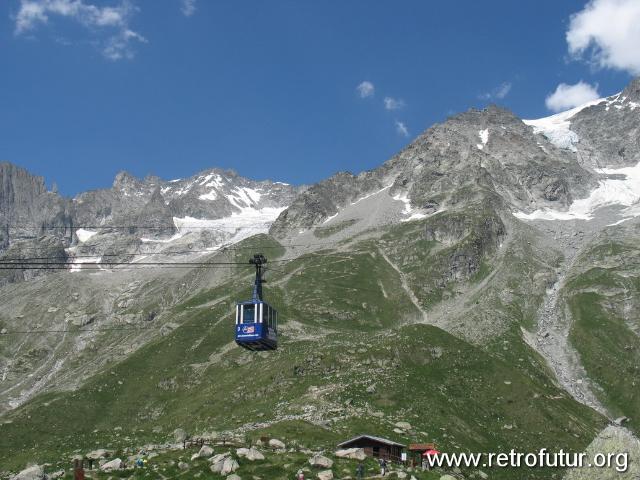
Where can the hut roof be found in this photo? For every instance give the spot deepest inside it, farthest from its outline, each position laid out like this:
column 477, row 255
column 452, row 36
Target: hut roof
column 371, row 437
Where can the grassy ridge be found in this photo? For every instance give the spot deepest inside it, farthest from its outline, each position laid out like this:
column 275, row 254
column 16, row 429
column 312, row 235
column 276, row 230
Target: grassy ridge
column 608, row 348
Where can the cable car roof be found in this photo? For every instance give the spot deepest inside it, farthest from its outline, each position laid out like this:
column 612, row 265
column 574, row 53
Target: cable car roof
column 252, row 302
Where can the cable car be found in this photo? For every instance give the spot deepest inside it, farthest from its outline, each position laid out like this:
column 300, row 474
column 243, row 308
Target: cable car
column 256, row 320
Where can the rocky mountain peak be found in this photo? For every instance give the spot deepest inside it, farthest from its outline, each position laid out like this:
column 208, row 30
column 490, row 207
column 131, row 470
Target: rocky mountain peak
column 632, row 91
column 124, row 181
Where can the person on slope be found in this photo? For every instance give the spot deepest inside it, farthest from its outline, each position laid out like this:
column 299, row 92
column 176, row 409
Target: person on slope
column 383, row 467
column 78, row 469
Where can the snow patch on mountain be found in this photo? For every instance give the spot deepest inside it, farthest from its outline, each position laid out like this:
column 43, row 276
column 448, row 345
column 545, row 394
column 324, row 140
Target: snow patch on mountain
column 247, row 222
column 243, row 197
column 622, row 188
column 76, row 266
column 557, row 128
column 84, row 235
column 408, row 210
column 212, row 195
column 371, row 195
column 484, row 138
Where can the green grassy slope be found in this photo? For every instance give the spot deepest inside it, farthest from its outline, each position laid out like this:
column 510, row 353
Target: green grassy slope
column 604, row 304
column 349, row 361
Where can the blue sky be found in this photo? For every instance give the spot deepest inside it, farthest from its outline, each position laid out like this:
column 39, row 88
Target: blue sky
column 89, row 87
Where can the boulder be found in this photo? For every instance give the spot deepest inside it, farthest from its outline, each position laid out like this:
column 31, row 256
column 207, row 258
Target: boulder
column 320, row 461
column 56, row 475
column 219, row 456
column 179, row 435
column 353, row 453
column 482, row 475
column 401, row 475
column 250, row 454
column 98, row 454
column 229, row 465
column 35, row 472
column 448, row 477
column 325, row 475
column 277, row 444
column 233, row 476
column 183, row 465
column 403, row 425
column 218, row 462
column 115, row 464
column 205, row 452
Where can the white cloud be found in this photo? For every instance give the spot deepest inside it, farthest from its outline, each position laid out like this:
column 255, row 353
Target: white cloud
column 569, row 96
column 365, row 89
column 188, row 7
column 118, row 46
column 607, row 32
column 401, row 129
column 393, row 103
column 500, row 92
column 112, row 20
column 503, row 90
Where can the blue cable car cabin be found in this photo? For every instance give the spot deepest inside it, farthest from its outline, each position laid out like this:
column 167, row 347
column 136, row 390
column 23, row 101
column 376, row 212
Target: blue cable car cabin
column 256, row 325
column 256, row 320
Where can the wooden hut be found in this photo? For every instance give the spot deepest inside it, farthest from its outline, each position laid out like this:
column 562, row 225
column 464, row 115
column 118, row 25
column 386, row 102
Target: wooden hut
column 376, row 447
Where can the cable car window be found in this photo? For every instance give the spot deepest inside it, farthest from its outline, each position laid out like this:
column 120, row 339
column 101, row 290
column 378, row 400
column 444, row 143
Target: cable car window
column 249, row 314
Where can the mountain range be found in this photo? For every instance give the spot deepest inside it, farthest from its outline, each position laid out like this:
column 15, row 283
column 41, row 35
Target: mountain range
column 483, row 284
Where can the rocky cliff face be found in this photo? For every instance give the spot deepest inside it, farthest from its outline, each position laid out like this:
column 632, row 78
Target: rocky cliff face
column 609, row 132
column 28, row 210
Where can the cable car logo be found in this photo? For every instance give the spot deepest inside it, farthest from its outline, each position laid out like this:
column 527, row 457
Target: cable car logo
column 248, row 329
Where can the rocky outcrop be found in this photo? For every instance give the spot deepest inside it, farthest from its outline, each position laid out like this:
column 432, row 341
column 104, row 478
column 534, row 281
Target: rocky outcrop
column 155, row 219
column 28, row 210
